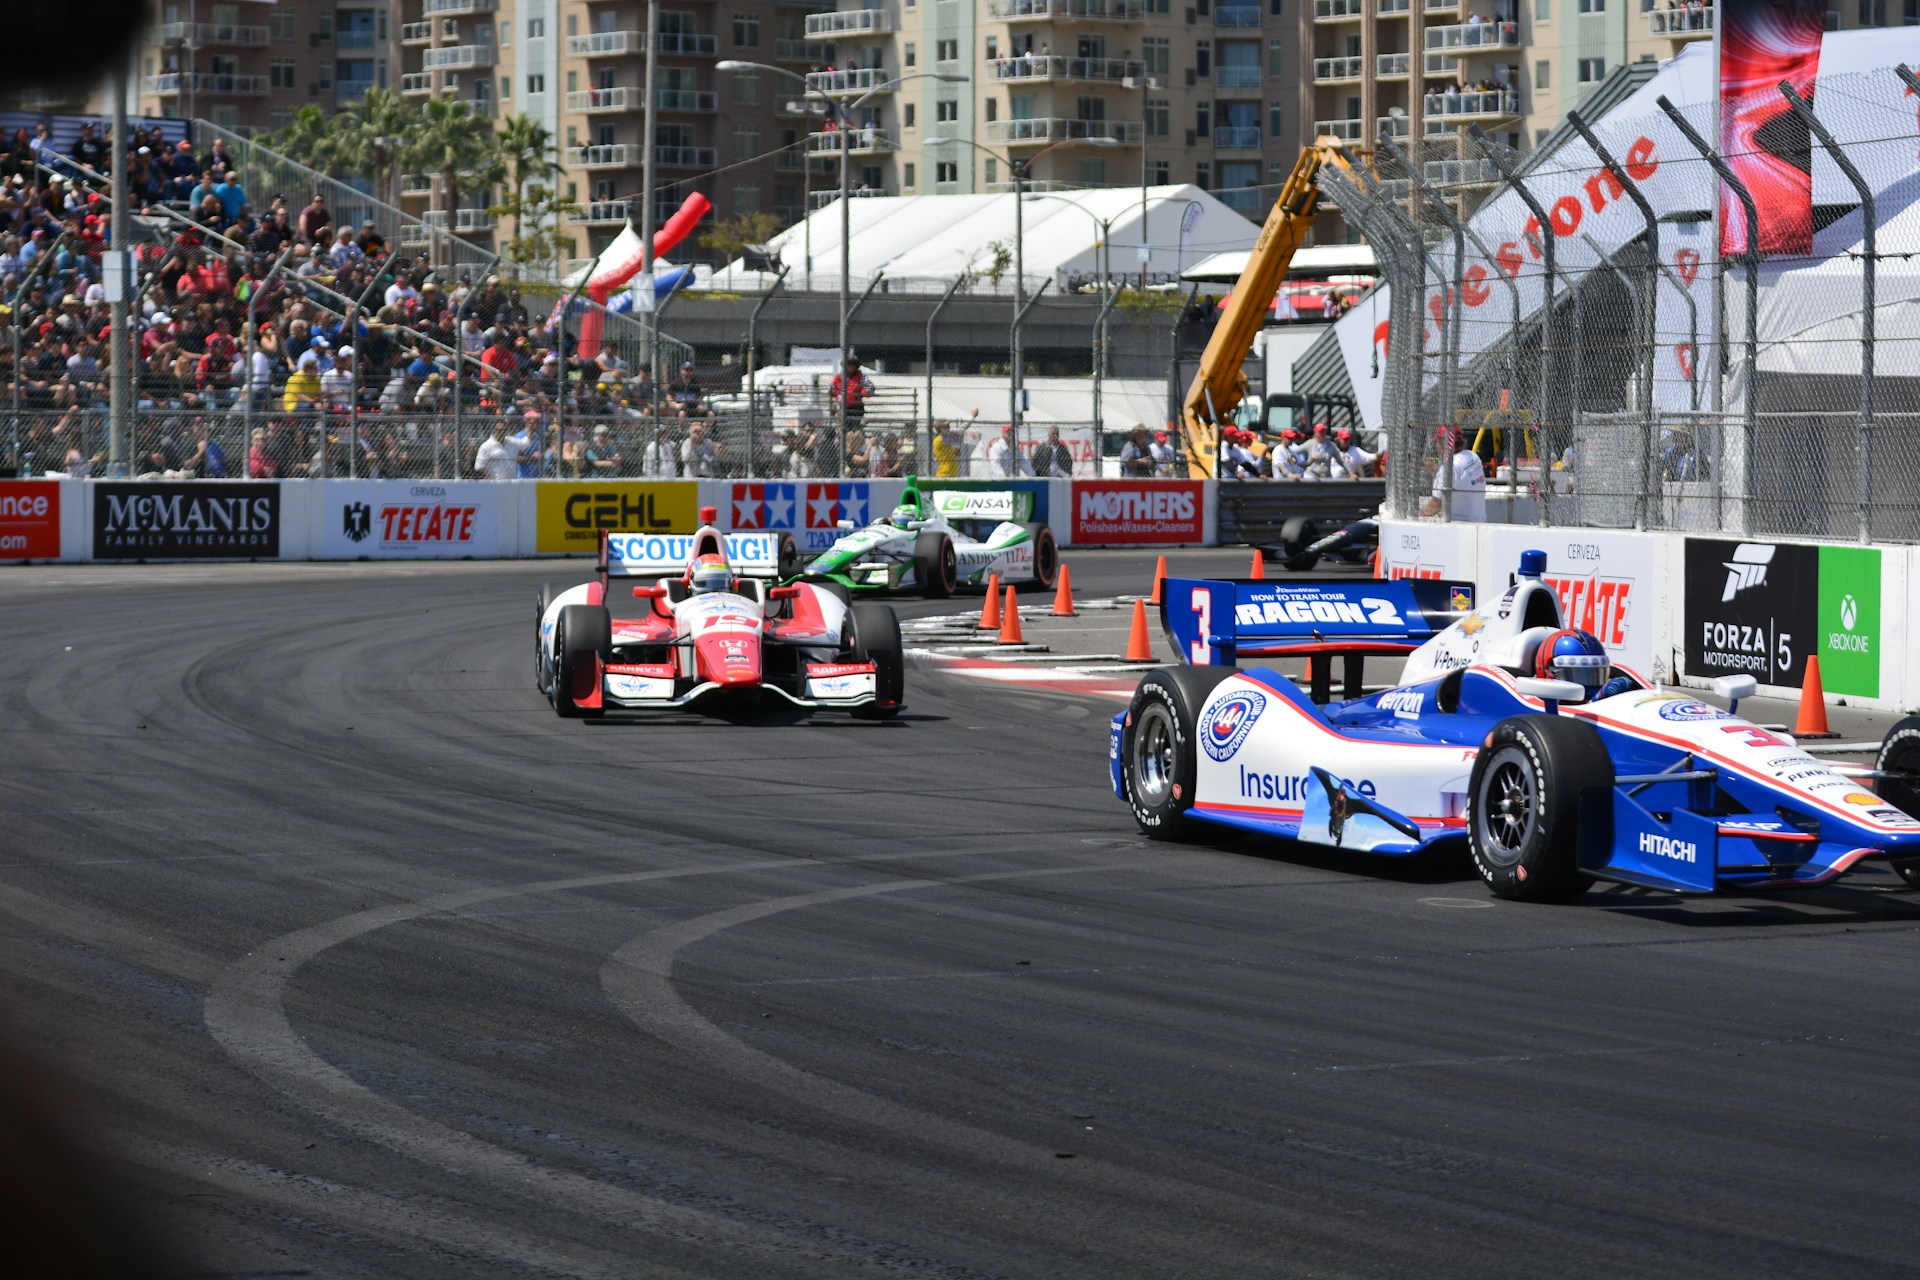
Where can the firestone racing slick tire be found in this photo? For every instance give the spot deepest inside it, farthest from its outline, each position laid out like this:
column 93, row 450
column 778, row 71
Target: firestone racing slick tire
column 1046, row 556
column 1900, row 753
column 1157, row 747
column 935, row 565
column 788, row 563
column 1296, row 535
column 540, row 604
column 582, row 633
column 876, row 631
column 1523, row 806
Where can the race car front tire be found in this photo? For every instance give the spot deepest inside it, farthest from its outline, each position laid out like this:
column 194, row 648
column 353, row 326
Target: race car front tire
column 936, row 566
column 1157, row 747
column 876, row 631
column 582, row 633
column 1523, row 805
column 540, row 603
column 1046, row 557
column 1900, row 754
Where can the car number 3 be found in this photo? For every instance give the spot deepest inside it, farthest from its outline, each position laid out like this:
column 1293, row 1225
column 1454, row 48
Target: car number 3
column 1199, row 651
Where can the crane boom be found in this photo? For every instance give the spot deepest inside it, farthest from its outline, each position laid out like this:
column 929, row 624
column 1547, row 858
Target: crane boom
column 1219, row 383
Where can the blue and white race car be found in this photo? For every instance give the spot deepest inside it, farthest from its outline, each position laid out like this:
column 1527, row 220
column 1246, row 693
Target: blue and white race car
column 1508, row 731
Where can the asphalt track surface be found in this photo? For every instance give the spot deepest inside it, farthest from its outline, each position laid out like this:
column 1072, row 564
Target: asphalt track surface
column 356, row 961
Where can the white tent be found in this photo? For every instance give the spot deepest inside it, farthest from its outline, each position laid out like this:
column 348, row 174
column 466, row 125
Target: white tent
column 1315, row 260
column 1810, row 313
column 921, row 243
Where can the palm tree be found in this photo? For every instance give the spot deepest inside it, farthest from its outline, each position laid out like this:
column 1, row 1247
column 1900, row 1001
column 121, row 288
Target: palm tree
column 310, row 138
column 371, row 137
column 527, row 147
column 452, row 139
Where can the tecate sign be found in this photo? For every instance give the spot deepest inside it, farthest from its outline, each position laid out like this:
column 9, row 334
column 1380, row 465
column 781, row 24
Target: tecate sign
column 188, row 521
column 392, row 520
column 29, row 519
column 1139, row 511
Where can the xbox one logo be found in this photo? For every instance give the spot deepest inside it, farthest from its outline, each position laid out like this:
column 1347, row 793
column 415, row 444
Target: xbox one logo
column 1849, row 612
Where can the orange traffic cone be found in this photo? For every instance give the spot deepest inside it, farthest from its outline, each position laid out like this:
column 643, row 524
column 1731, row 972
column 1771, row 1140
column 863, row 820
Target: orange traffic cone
column 1010, row 627
column 1258, row 572
column 1159, row 576
column 1812, row 721
column 1139, row 648
column 990, row 612
column 1063, row 595
column 1376, row 562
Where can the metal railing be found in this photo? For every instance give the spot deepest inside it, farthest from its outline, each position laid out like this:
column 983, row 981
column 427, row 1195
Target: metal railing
column 612, row 99
column 200, row 35
column 1066, row 10
column 1226, row 76
column 1682, row 22
column 1237, row 16
column 1333, row 70
column 1479, row 103
column 1056, row 129
column 174, row 83
column 867, row 141
column 859, row 80
column 457, row 57
column 1474, row 35
column 1047, row 67
column 849, row 22
column 1236, row 137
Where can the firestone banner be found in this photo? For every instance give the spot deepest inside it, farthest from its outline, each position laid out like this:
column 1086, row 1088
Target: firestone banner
column 1763, row 42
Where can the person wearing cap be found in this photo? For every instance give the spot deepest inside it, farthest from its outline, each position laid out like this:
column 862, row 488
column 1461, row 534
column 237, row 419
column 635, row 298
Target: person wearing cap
column 687, row 391
column 849, row 393
column 1136, row 455
column 1358, row 461
column 302, row 393
column 336, row 383
column 1161, row 447
column 401, row 292
column 1468, row 480
column 603, row 453
column 232, row 195
column 372, row 243
column 1287, row 458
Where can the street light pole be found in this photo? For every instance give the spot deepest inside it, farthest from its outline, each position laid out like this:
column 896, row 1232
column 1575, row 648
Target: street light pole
column 1146, row 84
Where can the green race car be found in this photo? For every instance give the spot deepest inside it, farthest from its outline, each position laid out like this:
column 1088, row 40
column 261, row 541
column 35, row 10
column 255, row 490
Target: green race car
column 938, row 541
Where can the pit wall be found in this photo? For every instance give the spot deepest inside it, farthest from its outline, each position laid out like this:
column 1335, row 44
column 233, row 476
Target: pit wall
column 99, row 520
column 1684, row 608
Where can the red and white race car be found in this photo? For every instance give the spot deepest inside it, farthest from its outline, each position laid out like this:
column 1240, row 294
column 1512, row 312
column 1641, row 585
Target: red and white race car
column 714, row 628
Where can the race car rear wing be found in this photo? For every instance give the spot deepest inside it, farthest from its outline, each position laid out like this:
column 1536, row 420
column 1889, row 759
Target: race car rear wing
column 1220, row 623
column 753, row 555
column 982, row 504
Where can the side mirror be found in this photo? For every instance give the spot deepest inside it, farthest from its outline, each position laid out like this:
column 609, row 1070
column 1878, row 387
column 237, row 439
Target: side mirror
column 783, row 593
column 1734, row 688
column 1550, row 691
column 650, row 593
column 845, row 526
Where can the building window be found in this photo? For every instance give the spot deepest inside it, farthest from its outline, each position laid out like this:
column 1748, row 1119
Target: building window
column 1202, row 120
column 536, row 28
column 506, row 86
column 946, row 171
column 1157, row 6
column 746, row 89
column 1158, row 117
column 1276, row 175
column 323, row 25
column 746, row 31
column 993, row 46
column 281, row 22
column 993, row 171
column 326, row 76
column 1593, row 6
column 746, row 141
column 1276, row 57
column 1158, row 54
column 746, row 199
column 907, row 115
column 485, row 33
column 1592, row 70
column 1274, row 117
column 1093, row 171
column 1277, row 8
column 947, row 51
column 535, row 84
column 283, row 70
column 912, row 55
column 1203, row 58
column 1873, row 13
column 1203, row 175
column 993, row 104
column 1542, row 73
column 945, row 112
column 907, row 174
column 1162, row 173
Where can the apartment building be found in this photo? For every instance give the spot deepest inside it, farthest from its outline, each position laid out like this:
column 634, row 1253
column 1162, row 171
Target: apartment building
column 1075, row 92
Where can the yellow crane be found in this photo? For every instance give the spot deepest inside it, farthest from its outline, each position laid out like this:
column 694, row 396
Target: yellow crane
column 1220, row 383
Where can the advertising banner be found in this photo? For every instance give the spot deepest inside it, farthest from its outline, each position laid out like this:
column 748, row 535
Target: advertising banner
column 569, row 515
column 1763, row 42
column 811, row 510
column 1849, row 620
column 192, row 520
column 1604, row 581
column 1751, row 608
column 392, row 519
column 1410, row 550
column 1123, row 512
column 29, row 519
column 1042, row 491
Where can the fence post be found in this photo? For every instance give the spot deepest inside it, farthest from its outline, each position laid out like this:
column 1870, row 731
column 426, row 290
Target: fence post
column 1404, row 386
column 1175, row 400
column 1019, row 386
column 933, row 316
column 1100, row 374
column 753, row 329
column 1870, row 219
column 253, row 337
column 1752, row 257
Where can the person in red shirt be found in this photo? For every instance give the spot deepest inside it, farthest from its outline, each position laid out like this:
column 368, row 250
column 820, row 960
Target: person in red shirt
column 850, row 392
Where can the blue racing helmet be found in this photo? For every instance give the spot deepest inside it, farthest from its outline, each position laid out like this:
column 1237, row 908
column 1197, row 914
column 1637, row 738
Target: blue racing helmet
column 1574, row 655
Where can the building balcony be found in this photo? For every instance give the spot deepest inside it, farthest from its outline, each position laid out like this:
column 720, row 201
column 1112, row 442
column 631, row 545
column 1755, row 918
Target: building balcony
column 594, row 101
column 413, row 33
column 416, row 184
column 465, row 221
column 208, row 35
column 685, row 44
column 607, row 44
column 1029, row 67
column 684, row 157
column 700, row 100
column 846, row 23
column 1038, row 132
column 454, row 8
column 1030, row 186
column 1392, row 126
column 1345, row 130
column 1460, row 173
column 821, row 199
column 1390, row 7
column 1396, row 66
column 413, row 83
column 1227, row 137
column 793, row 161
column 1337, row 70
column 602, row 213
column 1340, row 10
column 1236, row 77
column 1238, row 16
column 859, row 142
column 458, row 57
column 808, row 51
column 609, row 156
column 1467, row 36
column 353, row 40
column 1682, row 23
column 1248, row 202
column 1488, row 105
column 859, row 80
column 175, row 83
column 1014, row 12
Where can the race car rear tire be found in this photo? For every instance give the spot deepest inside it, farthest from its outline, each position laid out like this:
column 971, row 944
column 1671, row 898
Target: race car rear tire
column 1523, row 805
column 1296, row 535
column 1900, row 753
column 1046, row 557
column 541, row 601
column 1157, row 748
column 582, row 633
column 936, row 567
column 787, row 563
column 876, row 631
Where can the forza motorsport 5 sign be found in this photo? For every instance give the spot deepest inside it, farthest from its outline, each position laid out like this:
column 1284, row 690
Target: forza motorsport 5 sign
column 570, row 515
column 382, row 519
column 215, row 520
column 1139, row 511
column 1762, row 608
